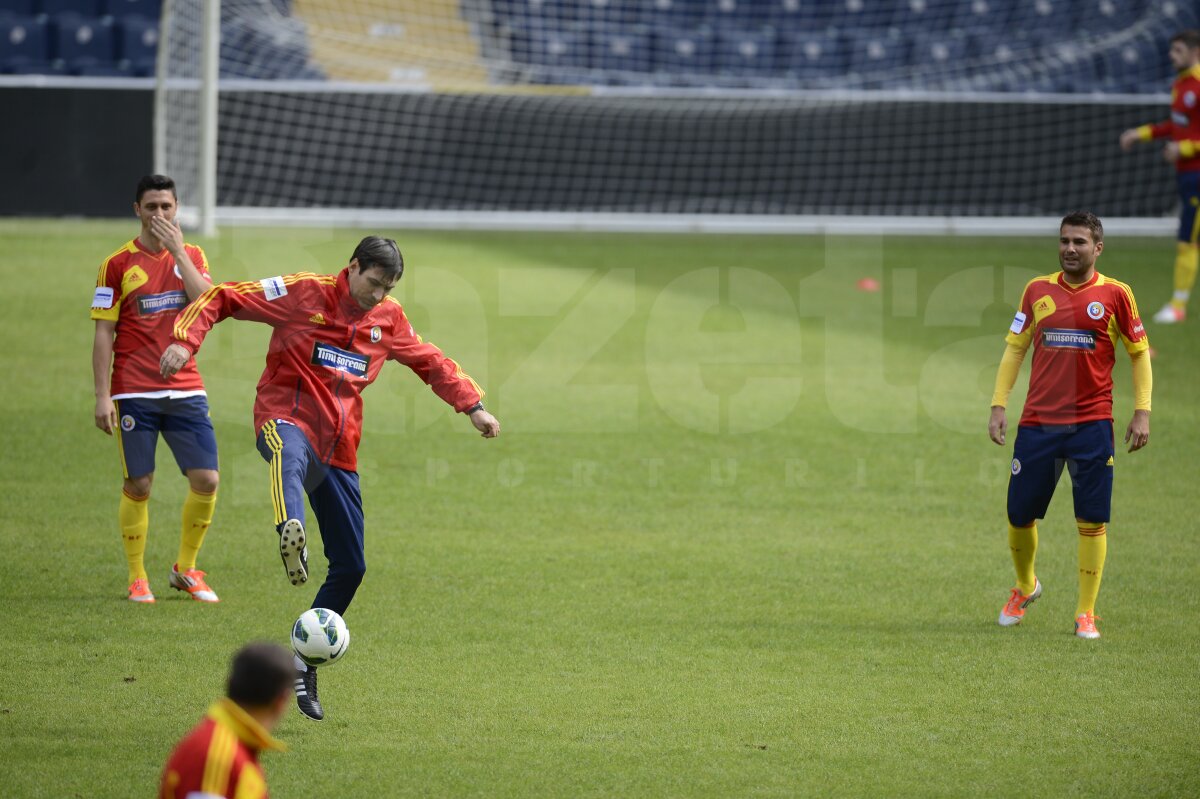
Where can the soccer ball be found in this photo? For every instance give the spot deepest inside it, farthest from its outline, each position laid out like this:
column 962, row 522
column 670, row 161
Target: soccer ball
column 320, row 637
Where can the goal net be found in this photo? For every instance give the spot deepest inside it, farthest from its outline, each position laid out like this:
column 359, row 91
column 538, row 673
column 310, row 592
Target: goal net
column 725, row 114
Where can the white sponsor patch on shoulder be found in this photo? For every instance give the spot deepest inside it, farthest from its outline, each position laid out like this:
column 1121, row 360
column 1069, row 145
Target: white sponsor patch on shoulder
column 1018, row 323
column 273, row 287
column 103, row 298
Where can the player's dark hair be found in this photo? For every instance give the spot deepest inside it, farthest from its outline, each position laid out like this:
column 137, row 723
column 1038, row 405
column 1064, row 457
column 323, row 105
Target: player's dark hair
column 259, row 673
column 155, row 183
column 1190, row 38
column 1084, row 219
column 376, row 251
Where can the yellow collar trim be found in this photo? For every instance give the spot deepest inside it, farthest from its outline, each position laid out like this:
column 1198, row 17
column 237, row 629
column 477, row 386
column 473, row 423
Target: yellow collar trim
column 229, row 714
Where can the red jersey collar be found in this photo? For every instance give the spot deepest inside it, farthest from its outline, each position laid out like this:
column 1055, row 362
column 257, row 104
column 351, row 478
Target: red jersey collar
column 137, row 242
column 1062, row 281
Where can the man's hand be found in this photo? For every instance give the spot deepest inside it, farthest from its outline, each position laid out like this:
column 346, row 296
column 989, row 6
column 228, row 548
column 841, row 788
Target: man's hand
column 1129, row 138
column 106, row 415
column 173, row 359
column 998, row 425
column 1137, row 435
column 1171, row 152
column 169, row 234
column 485, row 423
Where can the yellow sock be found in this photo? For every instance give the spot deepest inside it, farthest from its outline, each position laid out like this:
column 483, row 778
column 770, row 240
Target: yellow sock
column 134, row 515
column 1023, row 543
column 1093, row 546
column 1187, row 260
column 197, row 516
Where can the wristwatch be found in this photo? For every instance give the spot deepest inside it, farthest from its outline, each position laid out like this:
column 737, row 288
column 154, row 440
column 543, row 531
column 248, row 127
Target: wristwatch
column 476, row 407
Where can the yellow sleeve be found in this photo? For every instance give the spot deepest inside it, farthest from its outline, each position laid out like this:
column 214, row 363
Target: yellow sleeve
column 1143, row 379
column 1145, row 132
column 1006, row 376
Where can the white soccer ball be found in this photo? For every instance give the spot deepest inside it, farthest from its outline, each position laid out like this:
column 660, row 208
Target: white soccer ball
column 320, row 637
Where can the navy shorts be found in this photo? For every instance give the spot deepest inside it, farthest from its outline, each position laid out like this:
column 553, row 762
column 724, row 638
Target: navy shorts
column 1039, row 454
column 1189, row 204
column 184, row 423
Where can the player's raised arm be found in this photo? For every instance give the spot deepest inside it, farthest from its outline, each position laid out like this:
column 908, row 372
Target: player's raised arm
column 195, row 280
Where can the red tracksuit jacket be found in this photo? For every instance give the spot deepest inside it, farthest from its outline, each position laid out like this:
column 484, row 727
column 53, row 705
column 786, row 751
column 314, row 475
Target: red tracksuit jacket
column 324, row 351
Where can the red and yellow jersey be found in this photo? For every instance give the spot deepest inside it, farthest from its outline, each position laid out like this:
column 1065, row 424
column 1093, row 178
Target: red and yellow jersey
column 324, row 351
column 1183, row 126
column 219, row 758
column 143, row 293
column 1074, row 332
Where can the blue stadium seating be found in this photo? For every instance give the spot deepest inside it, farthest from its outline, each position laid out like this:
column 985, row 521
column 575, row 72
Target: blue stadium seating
column 622, row 49
column 80, row 42
column 24, row 44
column 138, row 44
column 123, row 9
column 1135, row 66
column 983, row 16
column 528, row 14
column 553, row 49
column 1045, row 17
column 673, row 13
column 82, row 8
column 918, row 16
column 1106, row 16
column 621, row 13
column 737, row 14
column 790, row 17
column 684, row 51
column 814, row 54
column 745, row 53
column 17, row 8
column 872, row 53
column 940, row 50
column 863, row 17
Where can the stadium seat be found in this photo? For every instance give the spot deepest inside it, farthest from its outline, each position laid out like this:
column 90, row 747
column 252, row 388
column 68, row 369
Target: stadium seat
column 745, row 52
column 82, row 8
column 1046, row 18
column 122, row 9
column 920, row 16
column 555, row 48
column 1176, row 14
column 613, row 13
column 278, row 50
column 684, row 51
column 983, row 17
column 737, row 14
column 875, row 53
column 863, row 17
column 138, row 44
column 23, row 44
column 109, row 70
column 17, row 8
column 82, row 42
column 946, row 52
column 1108, row 16
column 794, row 17
column 622, row 49
column 529, row 14
column 815, row 54
column 1135, row 66
column 672, row 13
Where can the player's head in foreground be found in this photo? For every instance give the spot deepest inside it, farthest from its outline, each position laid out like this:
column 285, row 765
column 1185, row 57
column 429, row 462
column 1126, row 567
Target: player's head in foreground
column 1080, row 242
column 155, row 197
column 1185, row 50
column 260, row 681
column 375, row 268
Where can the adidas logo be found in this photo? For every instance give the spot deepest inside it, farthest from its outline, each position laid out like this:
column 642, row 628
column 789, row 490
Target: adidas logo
column 317, row 319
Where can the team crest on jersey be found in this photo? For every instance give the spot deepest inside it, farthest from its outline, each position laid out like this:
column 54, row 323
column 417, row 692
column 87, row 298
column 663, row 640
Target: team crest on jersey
column 376, row 334
column 1095, row 310
column 1016, row 467
column 149, row 304
column 127, row 423
column 1189, row 99
column 1063, row 339
column 177, row 273
column 340, row 360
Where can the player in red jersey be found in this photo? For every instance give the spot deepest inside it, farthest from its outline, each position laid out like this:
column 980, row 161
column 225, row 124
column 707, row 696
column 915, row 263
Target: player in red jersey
column 218, row 759
column 332, row 334
column 1073, row 319
column 1183, row 150
column 139, row 291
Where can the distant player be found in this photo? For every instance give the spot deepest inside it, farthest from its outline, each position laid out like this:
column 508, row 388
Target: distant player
column 332, row 334
column 218, row 759
column 1073, row 319
column 1183, row 150
column 139, row 291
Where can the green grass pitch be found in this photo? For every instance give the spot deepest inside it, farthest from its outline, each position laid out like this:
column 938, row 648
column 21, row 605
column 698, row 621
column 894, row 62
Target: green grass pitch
column 743, row 534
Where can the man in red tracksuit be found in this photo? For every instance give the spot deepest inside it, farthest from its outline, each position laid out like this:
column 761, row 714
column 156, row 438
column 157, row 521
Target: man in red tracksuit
column 332, row 334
